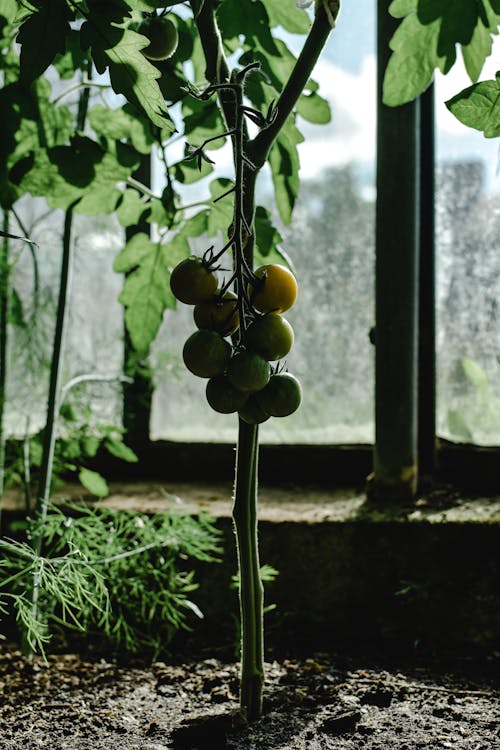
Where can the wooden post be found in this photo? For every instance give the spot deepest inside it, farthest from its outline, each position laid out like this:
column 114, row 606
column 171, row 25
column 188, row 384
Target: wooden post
column 396, row 295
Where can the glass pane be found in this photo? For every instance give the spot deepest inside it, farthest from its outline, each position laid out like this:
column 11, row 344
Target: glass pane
column 331, row 244
column 94, row 337
column 468, row 232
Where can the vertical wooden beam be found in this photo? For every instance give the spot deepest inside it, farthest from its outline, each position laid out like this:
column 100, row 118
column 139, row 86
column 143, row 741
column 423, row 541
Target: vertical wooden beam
column 427, row 296
column 396, row 294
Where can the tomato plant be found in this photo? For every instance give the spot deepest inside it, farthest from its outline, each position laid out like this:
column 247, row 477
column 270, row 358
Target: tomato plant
column 91, row 157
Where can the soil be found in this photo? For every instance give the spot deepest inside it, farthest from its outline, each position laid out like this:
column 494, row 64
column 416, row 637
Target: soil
column 317, row 703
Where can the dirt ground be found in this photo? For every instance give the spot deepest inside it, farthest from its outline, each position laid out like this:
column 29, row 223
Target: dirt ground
column 321, row 702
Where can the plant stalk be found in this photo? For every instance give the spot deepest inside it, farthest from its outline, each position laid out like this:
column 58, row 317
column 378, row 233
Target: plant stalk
column 250, row 589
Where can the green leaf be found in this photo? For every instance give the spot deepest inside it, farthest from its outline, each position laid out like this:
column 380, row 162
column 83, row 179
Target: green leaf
column 122, row 124
column 93, row 482
column 479, row 107
column 42, row 36
column 120, row 450
column 90, row 445
column 131, row 208
column 118, row 49
column 8, row 9
column 284, row 161
column 146, row 290
column 285, row 13
column 220, row 214
column 426, row 40
column 267, row 236
column 313, row 108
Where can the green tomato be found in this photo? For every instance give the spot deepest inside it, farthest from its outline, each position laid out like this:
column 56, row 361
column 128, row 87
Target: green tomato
column 248, row 372
column 270, row 336
column 192, row 282
column 162, row 35
column 252, row 411
column 281, row 396
column 224, row 397
column 206, row 354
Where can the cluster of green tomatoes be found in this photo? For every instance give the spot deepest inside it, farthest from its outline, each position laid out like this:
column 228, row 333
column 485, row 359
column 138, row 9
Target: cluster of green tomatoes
column 237, row 363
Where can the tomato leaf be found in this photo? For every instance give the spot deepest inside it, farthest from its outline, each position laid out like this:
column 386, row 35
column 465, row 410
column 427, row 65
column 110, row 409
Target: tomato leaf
column 122, row 124
column 313, row 108
column 284, row 162
column 146, row 290
column 42, row 36
column 118, row 49
column 426, row 40
column 267, row 236
column 131, row 208
column 478, row 107
column 285, row 13
column 8, row 9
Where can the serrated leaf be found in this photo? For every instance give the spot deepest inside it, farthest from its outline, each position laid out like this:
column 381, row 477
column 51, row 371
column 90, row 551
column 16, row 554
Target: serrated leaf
column 478, row 107
column 42, row 36
column 93, row 482
column 122, row 123
column 267, row 236
column 131, row 208
column 131, row 74
column 284, row 161
column 426, row 40
column 146, row 289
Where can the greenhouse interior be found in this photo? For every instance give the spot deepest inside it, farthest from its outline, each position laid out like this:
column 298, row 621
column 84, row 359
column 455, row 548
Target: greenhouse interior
column 249, row 375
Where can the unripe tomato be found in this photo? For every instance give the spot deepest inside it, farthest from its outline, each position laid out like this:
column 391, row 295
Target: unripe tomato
column 192, row 282
column 162, row 35
column 281, row 396
column 206, row 354
column 218, row 314
column 252, row 412
column 270, row 336
column 275, row 290
column 224, row 397
column 248, row 371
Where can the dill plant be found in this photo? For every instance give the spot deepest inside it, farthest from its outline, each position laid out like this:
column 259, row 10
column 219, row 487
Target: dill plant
column 121, row 575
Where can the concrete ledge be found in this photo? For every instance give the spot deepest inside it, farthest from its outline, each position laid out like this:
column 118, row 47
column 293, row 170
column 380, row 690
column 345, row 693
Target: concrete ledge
column 423, row 577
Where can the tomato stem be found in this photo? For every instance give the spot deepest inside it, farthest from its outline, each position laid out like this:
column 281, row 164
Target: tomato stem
column 250, row 584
